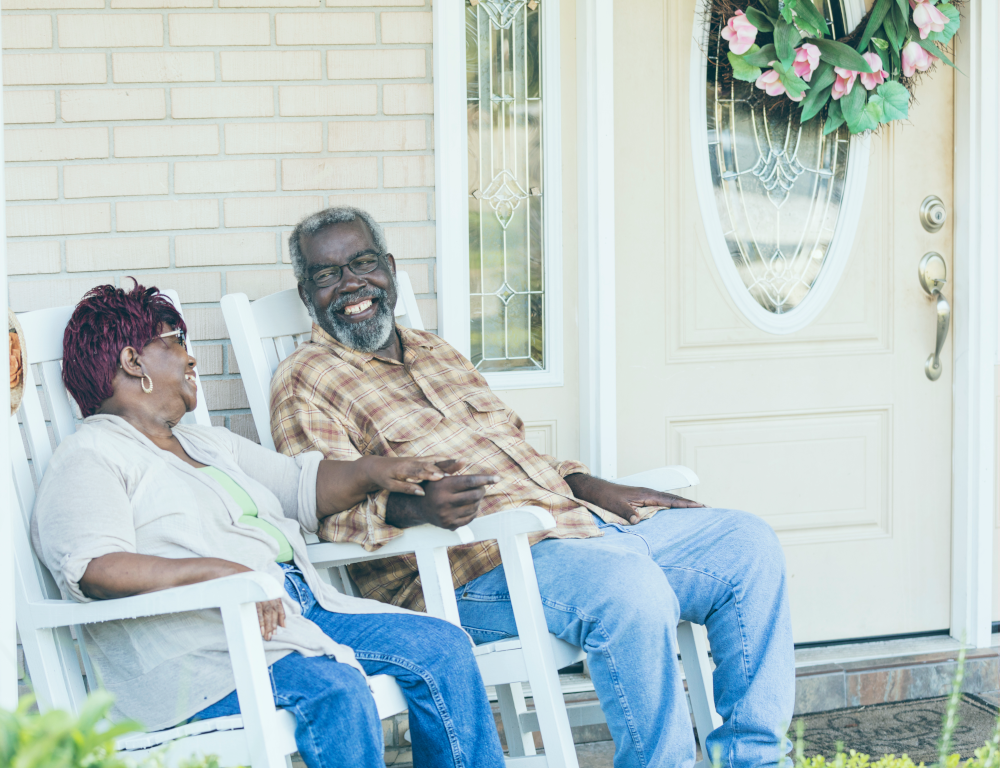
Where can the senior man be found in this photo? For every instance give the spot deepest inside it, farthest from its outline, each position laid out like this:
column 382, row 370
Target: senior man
column 621, row 568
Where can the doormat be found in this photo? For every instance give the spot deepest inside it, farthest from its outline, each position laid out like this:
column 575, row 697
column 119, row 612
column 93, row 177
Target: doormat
column 905, row 727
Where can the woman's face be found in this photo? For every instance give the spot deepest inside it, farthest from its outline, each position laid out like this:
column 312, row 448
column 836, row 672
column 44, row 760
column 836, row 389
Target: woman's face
column 167, row 362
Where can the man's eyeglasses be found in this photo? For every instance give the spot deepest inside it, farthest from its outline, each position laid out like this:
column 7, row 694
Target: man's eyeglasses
column 362, row 265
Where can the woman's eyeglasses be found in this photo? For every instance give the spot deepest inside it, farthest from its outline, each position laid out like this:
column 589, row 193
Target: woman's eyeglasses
column 178, row 332
column 362, row 265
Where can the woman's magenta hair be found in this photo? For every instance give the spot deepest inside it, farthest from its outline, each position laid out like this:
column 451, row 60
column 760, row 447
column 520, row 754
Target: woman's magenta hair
column 107, row 320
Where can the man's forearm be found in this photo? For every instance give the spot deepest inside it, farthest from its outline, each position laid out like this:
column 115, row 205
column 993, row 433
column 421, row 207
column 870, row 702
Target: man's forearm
column 585, row 487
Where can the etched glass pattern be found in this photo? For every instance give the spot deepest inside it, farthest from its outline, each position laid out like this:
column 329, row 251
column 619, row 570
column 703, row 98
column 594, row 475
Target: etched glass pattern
column 506, row 267
column 778, row 186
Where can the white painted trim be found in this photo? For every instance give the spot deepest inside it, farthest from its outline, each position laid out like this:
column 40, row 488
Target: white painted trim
column 975, row 300
column 451, row 173
column 847, row 220
column 596, row 202
column 8, row 627
column 450, row 100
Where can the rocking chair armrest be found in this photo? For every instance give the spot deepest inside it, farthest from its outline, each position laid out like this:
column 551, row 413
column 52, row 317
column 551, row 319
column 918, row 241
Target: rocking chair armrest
column 328, row 554
column 511, row 522
column 663, row 479
column 217, row 593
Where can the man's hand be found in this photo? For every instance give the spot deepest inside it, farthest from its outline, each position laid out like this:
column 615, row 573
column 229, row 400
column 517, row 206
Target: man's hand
column 623, row 500
column 447, row 503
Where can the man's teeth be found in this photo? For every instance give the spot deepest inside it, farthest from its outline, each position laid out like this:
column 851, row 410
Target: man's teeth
column 189, row 377
column 354, row 309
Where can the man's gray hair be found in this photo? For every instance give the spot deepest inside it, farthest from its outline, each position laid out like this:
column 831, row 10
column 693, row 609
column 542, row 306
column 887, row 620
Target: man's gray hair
column 313, row 225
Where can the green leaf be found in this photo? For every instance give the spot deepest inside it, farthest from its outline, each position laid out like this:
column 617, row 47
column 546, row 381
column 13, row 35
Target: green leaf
column 896, row 25
column 770, row 7
column 895, row 70
column 834, row 119
column 794, row 84
column 786, row 37
column 853, row 104
column 786, row 12
column 954, row 22
column 840, row 55
column 884, row 56
column 882, row 45
column 823, row 76
column 814, row 102
column 903, row 7
column 808, row 12
column 759, row 20
column 879, row 12
column 761, row 57
column 741, row 70
column 896, row 101
column 870, row 117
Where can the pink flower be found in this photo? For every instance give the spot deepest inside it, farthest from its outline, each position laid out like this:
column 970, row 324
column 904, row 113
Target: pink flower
column 806, row 61
column 740, row 33
column 927, row 18
column 844, row 83
column 916, row 59
column 879, row 75
column 770, row 83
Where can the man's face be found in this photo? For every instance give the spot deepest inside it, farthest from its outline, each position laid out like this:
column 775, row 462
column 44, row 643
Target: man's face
column 357, row 310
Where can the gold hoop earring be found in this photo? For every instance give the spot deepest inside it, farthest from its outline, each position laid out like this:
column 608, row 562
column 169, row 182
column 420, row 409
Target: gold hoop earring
column 148, row 390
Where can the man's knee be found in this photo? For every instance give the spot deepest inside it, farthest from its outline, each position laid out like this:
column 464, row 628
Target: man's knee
column 757, row 541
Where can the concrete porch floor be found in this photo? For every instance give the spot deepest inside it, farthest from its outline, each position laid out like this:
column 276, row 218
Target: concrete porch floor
column 830, row 677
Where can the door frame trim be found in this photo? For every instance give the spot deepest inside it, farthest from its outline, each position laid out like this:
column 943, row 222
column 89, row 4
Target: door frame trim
column 976, row 287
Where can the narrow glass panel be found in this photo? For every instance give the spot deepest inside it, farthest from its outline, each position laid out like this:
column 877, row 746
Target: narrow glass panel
column 778, row 187
column 506, row 255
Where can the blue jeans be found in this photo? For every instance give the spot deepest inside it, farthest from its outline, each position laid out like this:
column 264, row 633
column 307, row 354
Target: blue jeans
column 620, row 598
column 337, row 725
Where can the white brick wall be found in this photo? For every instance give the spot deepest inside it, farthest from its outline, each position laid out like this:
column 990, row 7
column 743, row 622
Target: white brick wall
column 178, row 141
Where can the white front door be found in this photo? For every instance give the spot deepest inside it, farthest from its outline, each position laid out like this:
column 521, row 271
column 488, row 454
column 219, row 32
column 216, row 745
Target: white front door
column 832, row 433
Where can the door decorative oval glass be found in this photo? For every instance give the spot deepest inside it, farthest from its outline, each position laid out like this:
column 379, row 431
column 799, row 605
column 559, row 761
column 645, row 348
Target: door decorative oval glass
column 779, row 199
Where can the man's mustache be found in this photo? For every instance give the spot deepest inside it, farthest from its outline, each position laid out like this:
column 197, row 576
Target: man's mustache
column 371, row 292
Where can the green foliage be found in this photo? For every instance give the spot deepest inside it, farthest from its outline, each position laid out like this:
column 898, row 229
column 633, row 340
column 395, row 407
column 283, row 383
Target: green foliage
column 57, row 739
column 783, row 26
column 987, row 756
column 742, row 69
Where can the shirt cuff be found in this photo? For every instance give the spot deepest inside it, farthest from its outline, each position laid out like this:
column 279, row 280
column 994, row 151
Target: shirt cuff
column 379, row 531
column 571, row 468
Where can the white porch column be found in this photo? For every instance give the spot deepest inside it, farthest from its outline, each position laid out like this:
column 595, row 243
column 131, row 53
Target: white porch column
column 8, row 631
column 596, row 149
column 976, row 205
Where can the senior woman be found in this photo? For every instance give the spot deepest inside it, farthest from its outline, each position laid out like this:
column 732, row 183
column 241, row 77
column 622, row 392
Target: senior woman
column 135, row 502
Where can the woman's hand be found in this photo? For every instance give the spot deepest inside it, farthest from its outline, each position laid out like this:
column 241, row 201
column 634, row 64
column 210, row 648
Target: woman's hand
column 270, row 615
column 406, row 475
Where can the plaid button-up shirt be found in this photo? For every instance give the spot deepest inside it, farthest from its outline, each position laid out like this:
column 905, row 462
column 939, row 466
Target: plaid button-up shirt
column 327, row 397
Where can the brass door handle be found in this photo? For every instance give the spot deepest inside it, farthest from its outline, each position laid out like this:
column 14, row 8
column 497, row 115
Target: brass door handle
column 933, row 277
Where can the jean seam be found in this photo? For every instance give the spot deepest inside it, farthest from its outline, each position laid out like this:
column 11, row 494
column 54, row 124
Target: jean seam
column 432, row 687
column 733, row 717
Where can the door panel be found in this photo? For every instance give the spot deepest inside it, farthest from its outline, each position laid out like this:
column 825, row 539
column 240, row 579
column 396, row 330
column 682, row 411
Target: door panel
column 833, row 434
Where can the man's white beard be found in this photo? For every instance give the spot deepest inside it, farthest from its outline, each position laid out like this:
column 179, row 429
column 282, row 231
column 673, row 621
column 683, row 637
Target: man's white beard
column 367, row 336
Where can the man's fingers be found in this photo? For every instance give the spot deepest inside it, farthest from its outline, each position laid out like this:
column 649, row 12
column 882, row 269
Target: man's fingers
column 451, row 466
column 466, row 498
column 409, row 487
column 457, row 484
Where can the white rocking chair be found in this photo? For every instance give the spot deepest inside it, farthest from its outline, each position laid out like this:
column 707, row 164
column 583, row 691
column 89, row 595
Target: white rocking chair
column 261, row 737
column 267, row 331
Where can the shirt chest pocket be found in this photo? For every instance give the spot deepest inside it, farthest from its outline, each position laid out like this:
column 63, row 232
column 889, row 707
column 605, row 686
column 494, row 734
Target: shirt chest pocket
column 487, row 413
column 415, row 434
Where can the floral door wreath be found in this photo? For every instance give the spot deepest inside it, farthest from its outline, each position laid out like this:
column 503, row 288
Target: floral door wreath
column 786, row 48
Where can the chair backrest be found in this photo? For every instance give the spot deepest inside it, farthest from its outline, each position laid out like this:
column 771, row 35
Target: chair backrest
column 265, row 332
column 49, row 415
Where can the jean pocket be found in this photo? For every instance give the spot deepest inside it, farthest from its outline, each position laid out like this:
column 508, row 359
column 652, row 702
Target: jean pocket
column 482, row 597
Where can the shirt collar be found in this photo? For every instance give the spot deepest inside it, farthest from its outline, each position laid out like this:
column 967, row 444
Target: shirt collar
column 409, row 338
